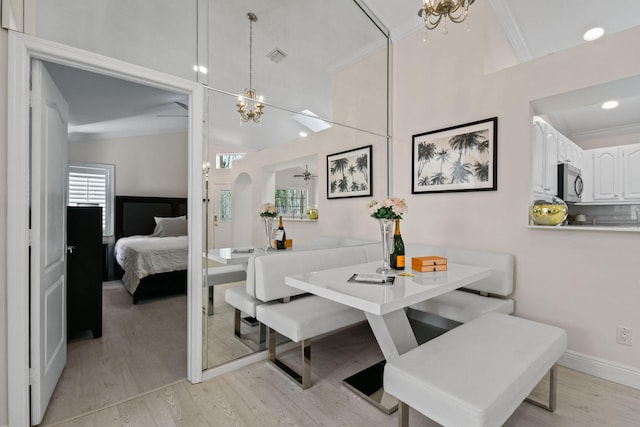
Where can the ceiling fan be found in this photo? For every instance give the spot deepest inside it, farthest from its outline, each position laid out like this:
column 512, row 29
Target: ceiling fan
column 306, row 175
column 181, row 104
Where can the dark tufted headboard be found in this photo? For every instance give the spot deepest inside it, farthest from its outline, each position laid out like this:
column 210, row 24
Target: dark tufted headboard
column 134, row 215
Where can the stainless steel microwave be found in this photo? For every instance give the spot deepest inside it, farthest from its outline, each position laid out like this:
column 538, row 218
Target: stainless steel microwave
column 570, row 184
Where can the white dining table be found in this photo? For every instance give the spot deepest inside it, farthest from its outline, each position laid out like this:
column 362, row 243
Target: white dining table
column 233, row 256
column 384, row 304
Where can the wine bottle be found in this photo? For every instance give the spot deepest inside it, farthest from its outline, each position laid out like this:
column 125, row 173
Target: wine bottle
column 397, row 260
column 281, row 236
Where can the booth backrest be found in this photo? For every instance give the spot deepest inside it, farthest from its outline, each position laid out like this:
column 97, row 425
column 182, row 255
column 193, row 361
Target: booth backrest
column 270, row 271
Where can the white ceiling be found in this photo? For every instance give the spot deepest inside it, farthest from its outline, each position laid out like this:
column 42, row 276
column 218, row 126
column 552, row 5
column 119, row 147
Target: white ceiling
column 101, row 107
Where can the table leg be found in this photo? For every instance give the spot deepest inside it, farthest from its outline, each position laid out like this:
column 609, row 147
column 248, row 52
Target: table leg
column 393, row 333
column 395, row 337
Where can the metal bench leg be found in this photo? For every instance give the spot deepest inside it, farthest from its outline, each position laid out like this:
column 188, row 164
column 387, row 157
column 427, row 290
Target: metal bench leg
column 403, row 414
column 210, row 302
column 553, row 385
column 262, row 335
column 303, row 380
column 237, row 317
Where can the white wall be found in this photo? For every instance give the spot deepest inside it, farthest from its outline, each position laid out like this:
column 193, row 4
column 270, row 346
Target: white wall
column 149, row 165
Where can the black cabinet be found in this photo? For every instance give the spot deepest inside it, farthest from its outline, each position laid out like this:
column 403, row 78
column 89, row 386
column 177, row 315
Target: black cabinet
column 85, row 259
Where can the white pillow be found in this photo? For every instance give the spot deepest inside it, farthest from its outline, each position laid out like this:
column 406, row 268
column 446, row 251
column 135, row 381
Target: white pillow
column 171, row 227
column 157, row 219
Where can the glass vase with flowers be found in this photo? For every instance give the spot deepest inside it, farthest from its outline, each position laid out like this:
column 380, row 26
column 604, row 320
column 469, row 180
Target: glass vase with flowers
column 268, row 211
column 387, row 212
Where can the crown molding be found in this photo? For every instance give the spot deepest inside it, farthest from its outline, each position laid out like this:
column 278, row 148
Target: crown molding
column 512, row 30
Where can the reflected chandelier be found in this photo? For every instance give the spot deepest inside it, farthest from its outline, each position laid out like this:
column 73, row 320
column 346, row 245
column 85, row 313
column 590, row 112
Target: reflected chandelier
column 433, row 11
column 249, row 95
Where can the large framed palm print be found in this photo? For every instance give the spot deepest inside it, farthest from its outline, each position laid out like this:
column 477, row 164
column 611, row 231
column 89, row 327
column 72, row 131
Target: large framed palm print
column 349, row 173
column 457, row 158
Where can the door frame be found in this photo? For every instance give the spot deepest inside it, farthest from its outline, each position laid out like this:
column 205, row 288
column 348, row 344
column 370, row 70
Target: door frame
column 23, row 48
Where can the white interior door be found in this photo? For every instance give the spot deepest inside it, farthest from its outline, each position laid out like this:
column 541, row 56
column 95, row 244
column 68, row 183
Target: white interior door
column 222, row 216
column 48, row 253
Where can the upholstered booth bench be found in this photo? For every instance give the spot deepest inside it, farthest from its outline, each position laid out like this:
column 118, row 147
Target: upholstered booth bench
column 478, row 373
column 484, row 296
column 302, row 317
column 243, row 299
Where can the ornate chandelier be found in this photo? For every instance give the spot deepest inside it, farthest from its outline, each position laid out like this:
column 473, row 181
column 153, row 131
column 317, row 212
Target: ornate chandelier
column 433, row 11
column 249, row 95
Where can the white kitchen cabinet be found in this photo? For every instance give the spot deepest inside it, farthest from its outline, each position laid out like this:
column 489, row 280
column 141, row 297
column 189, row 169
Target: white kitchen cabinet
column 613, row 175
column 564, row 149
column 606, row 174
column 545, row 159
column 569, row 152
column 630, row 159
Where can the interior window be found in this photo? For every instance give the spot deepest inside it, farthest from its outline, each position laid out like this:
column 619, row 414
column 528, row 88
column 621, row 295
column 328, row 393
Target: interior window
column 225, row 161
column 225, row 205
column 291, row 201
column 92, row 184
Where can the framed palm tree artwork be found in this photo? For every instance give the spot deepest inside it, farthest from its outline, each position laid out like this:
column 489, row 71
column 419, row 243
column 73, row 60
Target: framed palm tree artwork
column 457, row 158
column 349, row 173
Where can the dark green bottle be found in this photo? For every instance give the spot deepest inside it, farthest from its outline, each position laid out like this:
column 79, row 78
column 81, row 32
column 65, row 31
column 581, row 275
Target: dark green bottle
column 397, row 260
column 281, row 240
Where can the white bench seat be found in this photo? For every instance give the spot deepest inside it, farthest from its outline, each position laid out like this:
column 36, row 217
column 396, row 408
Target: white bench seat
column 300, row 320
column 478, row 373
column 220, row 275
column 463, row 306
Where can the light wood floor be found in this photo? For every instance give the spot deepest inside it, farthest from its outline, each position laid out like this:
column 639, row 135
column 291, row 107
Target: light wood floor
column 143, row 347
column 258, row 395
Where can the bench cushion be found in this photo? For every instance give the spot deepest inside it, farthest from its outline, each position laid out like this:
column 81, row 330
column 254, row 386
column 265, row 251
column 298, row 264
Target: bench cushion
column 240, row 299
column 463, row 306
column 478, row 373
column 307, row 317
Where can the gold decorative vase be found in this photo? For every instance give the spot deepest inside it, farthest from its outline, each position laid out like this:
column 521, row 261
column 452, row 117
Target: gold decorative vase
column 551, row 211
column 312, row 213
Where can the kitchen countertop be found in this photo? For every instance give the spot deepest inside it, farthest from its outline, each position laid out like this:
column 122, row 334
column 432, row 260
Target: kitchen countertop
column 587, row 227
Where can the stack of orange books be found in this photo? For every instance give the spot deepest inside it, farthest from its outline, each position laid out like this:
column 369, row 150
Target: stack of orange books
column 429, row 263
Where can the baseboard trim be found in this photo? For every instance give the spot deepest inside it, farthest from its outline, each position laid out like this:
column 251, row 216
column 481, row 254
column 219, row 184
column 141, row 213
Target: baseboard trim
column 600, row 368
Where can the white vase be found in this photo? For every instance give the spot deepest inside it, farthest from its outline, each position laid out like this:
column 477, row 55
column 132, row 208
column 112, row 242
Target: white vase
column 268, row 229
column 386, row 231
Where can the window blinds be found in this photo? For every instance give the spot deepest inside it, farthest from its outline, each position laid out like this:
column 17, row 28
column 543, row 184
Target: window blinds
column 91, row 185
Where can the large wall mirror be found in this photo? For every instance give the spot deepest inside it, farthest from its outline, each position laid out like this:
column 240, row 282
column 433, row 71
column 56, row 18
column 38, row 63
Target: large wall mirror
column 325, row 92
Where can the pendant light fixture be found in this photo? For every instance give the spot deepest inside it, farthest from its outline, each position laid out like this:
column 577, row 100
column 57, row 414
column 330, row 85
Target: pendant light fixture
column 249, row 95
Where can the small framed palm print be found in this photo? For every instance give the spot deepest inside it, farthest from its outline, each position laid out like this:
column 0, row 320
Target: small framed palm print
column 457, row 158
column 349, row 173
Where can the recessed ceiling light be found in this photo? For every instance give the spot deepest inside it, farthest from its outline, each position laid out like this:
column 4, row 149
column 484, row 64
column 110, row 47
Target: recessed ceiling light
column 610, row 104
column 593, row 34
column 303, row 134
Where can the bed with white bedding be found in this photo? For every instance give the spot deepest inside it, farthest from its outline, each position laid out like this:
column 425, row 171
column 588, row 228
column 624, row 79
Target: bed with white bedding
column 143, row 256
column 151, row 260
